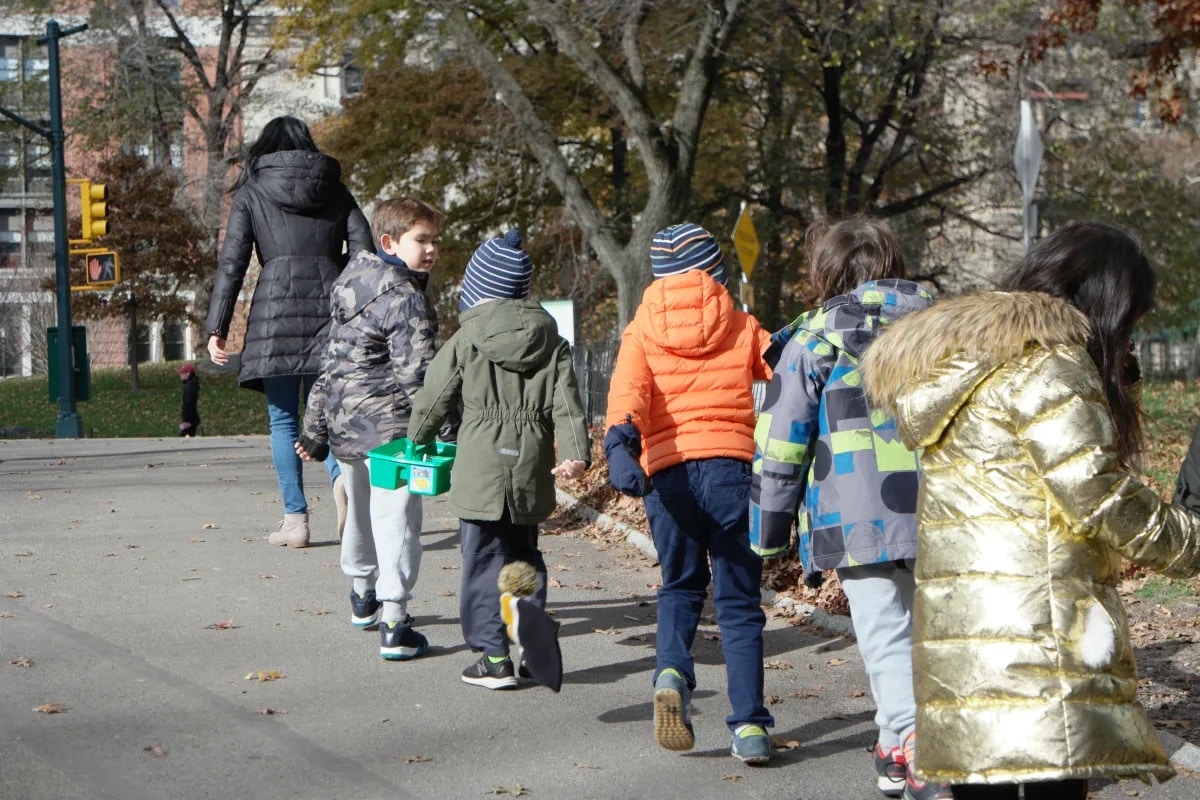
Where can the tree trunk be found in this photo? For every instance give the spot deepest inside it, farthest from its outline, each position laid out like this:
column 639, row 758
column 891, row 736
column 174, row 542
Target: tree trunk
column 134, row 382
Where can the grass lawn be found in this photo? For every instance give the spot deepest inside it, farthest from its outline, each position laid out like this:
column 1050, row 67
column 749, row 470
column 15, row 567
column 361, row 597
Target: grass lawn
column 116, row 412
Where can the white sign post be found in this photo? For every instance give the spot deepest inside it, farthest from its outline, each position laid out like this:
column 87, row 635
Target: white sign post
column 1027, row 158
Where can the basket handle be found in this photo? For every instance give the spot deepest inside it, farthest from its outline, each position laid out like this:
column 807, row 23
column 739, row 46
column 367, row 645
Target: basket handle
column 412, row 449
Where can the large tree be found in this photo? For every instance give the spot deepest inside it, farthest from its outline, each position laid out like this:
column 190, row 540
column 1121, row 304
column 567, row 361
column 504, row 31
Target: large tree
column 657, row 86
column 163, row 249
column 1165, row 33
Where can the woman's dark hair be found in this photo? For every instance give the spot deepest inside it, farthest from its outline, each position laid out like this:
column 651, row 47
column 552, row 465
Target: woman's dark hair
column 281, row 133
column 844, row 254
column 1102, row 271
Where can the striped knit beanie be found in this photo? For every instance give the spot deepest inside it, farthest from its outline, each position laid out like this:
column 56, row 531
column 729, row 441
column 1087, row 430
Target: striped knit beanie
column 499, row 269
column 685, row 247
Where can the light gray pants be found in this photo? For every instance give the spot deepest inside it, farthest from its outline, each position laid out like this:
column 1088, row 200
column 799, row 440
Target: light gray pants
column 881, row 598
column 383, row 533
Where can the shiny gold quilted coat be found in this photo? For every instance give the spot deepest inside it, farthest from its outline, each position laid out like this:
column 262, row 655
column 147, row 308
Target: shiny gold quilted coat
column 1022, row 662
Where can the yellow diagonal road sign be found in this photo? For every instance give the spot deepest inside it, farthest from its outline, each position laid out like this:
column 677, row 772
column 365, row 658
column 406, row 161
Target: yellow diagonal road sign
column 745, row 242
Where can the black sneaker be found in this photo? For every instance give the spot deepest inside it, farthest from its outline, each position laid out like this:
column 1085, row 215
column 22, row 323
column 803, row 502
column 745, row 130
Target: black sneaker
column 491, row 675
column 364, row 611
column 399, row 642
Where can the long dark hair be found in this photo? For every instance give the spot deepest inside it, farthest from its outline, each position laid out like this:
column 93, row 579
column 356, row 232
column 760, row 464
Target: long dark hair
column 1102, row 271
column 281, row 133
column 846, row 253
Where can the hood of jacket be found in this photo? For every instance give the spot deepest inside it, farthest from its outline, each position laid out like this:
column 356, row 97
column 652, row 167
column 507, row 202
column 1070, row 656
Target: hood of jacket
column 516, row 335
column 298, row 180
column 688, row 314
column 365, row 278
column 853, row 320
column 928, row 363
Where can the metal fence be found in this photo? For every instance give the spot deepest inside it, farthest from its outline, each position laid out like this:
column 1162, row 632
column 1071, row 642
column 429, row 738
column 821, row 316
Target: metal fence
column 1162, row 360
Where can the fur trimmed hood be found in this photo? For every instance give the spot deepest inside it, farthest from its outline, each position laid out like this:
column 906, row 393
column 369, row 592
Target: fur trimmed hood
column 943, row 352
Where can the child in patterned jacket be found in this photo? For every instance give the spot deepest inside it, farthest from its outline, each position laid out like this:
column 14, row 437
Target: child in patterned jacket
column 827, row 462
column 380, row 344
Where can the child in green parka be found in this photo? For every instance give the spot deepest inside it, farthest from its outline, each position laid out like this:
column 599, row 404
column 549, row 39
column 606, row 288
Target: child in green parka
column 513, row 376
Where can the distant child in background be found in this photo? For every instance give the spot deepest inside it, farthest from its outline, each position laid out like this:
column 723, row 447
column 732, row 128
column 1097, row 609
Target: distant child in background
column 513, row 376
column 827, row 463
column 380, row 344
column 189, row 424
column 681, row 411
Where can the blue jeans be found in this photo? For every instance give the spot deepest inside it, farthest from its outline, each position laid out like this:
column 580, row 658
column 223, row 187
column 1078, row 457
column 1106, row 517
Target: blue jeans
column 283, row 410
column 700, row 510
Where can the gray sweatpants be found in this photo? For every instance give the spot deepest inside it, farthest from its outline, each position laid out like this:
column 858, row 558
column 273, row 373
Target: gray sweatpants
column 382, row 534
column 881, row 599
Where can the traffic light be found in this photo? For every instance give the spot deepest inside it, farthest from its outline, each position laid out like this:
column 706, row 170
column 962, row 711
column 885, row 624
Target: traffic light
column 93, row 199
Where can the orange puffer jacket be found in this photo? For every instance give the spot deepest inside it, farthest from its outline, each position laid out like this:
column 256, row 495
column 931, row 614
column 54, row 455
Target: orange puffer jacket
column 685, row 373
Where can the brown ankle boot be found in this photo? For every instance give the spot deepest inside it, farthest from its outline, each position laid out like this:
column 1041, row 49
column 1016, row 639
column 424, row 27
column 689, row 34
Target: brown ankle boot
column 293, row 532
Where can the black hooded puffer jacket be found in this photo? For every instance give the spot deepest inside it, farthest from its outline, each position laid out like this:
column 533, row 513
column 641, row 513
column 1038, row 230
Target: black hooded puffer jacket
column 294, row 209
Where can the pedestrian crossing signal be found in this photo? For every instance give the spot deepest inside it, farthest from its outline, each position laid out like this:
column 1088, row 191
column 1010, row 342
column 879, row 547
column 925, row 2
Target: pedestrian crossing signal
column 101, row 269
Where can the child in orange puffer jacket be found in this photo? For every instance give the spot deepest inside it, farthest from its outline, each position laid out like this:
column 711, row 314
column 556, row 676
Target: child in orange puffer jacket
column 681, row 434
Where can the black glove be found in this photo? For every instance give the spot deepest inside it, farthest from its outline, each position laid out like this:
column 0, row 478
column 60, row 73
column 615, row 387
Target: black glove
column 317, row 451
column 622, row 446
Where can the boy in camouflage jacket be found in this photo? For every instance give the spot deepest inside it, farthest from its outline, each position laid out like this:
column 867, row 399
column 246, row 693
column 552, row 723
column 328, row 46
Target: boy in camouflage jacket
column 380, row 344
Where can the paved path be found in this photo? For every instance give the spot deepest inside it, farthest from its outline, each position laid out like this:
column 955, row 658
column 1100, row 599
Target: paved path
column 116, row 556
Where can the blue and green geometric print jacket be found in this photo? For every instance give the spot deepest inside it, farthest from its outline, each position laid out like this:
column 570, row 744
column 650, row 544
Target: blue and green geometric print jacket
column 822, row 457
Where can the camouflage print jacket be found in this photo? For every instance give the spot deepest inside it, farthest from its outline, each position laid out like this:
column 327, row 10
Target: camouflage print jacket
column 380, row 343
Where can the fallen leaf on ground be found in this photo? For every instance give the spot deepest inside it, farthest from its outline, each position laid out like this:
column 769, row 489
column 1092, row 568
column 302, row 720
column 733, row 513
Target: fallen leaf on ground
column 836, row 662
column 446, row 594
column 606, row 631
column 512, row 791
column 155, row 750
column 581, row 765
column 14, row 595
column 33, row 496
column 590, row 585
column 224, row 625
column 5, row 615
column 210, row 526
column 445, row 566
column 55, row 707
column 856, row 693
column 780, row 743
column 1174, row 723
column 711, row 637
column 554, row 583
column 270, row 712
column 268, row 576
column 322, row 612
column 773, row 699
column 24, row 553
column 417, row 759
column 732, row 778
column 23, row 661
column 262, row 676
column 777, row 665
column 196, row 540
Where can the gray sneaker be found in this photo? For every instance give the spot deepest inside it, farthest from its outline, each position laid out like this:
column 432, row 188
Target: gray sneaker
column 751, row 745
column 672, row 721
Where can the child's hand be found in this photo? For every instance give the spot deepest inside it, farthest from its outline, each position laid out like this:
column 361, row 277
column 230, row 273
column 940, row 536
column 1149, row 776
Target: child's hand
column 569, row 469
column 300, row 451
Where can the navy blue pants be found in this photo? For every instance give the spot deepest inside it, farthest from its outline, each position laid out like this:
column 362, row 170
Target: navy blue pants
column 699, row 512
column 486, row 547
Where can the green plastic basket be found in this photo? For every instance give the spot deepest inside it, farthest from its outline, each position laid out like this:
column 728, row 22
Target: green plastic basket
column 425, row 469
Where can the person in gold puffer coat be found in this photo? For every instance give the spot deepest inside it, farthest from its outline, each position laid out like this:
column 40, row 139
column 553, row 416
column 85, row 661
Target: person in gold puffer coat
column 1026, row 404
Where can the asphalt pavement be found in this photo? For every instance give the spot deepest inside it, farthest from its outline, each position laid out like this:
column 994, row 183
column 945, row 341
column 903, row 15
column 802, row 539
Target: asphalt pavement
column 153, row 646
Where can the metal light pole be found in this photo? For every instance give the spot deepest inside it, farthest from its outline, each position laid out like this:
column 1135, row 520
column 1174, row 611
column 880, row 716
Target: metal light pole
column 1027, row 158
column 69, row 425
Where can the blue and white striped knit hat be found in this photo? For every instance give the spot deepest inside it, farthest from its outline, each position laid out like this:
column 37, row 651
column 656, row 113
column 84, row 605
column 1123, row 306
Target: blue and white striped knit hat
column 684, row 247
column 499, row 269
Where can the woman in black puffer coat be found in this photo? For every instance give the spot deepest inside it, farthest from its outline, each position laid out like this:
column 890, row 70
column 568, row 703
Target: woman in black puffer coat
column 289, row 205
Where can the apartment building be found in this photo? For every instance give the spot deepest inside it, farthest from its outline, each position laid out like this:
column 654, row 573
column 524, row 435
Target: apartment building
column 26, row 205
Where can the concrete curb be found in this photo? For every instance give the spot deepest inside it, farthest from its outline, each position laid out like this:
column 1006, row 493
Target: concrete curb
column 1183, row 754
